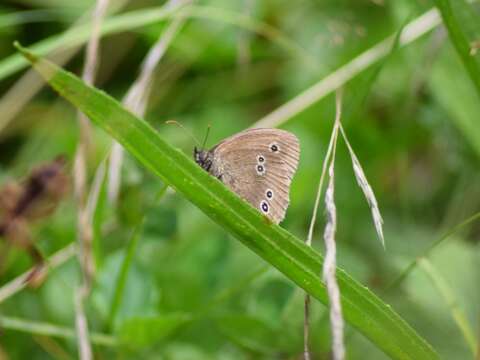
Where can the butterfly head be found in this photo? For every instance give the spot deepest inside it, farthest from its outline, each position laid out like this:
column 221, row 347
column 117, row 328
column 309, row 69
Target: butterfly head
column 202, row 158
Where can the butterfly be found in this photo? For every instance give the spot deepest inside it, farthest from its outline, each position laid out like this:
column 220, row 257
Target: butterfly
column 258, row 165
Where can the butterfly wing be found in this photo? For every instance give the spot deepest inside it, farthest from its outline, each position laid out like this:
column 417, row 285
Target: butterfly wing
column 258, row 165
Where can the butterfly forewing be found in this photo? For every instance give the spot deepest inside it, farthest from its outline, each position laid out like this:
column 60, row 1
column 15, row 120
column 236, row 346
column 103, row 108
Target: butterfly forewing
column 259, row 165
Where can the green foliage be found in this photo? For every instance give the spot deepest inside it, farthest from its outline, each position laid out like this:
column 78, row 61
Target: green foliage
column 461, row 20
column 253, row 334
column 280, row 248
column 140, row 332
column 183, row 288
column 130, row 21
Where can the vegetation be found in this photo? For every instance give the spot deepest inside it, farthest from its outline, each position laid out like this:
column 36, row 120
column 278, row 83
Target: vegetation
column 168, row 282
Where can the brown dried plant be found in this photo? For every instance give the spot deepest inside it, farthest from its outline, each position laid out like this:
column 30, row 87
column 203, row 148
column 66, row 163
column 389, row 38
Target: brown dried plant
column 22, row 203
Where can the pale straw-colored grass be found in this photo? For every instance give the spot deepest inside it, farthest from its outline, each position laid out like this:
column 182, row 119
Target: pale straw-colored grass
column 21, row 282
column 137, row 96
column 336, row 79
column 366, row 188
column 336, row 319
column 84, row 224
column 330, row 261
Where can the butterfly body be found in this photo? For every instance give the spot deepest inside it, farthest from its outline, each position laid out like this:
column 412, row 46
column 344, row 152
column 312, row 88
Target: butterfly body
column 258, row 165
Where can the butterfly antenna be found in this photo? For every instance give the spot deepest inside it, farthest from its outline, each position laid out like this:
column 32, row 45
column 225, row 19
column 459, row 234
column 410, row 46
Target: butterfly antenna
column 174, row 122
column 206, row 136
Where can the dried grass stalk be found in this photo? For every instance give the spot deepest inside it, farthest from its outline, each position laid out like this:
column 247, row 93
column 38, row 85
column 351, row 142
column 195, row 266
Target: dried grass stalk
column 306, row 324
column 320, row 187
column 84, row 224
column 20, row 282
column 330, row 155
column 306, row 328
column 330, row 263
column 81, row 325
column 329, row 266
column 338, row 78
column 95, row 191
column 136, row 98
column 367, row 189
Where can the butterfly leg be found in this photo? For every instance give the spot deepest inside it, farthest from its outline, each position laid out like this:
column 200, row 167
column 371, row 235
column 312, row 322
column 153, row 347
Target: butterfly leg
column 208, row 165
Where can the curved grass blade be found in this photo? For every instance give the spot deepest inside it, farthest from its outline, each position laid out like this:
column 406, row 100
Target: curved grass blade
column 461, row 21
column 300, row 263
column 439, row 282
column 10, row 20
column 53, row 330
column 139, row 18
column 121, row 280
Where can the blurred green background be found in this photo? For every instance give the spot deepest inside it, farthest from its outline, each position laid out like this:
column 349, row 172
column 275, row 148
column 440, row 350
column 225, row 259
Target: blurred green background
column 192, row 291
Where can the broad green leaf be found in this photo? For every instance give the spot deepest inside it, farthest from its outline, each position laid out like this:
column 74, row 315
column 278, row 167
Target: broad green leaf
column 462, row 22
column 138, row 295
column 251, row 333
column 139, row 332
column 300, row 263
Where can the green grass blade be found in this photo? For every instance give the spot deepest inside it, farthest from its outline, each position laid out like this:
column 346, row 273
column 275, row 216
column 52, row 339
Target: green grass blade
column 447, row 294
column 31, row 16
column 47, row 329
column 426, row 253
column 125, row 268
column 121, row 280
column 143, row 331
column 80, row 35
column 300, row 263
column 144, row 17
column 460, row 19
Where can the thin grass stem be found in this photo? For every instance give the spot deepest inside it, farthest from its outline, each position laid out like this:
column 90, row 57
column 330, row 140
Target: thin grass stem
column 84, row 223
column 136, row 98
column 412, row 31
column 330, row 263
column 366, row 188
column 20, row 282
column 311, row 228
column 121, row 280
column 48, row 329
column 426, row 253
column 448, row 295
